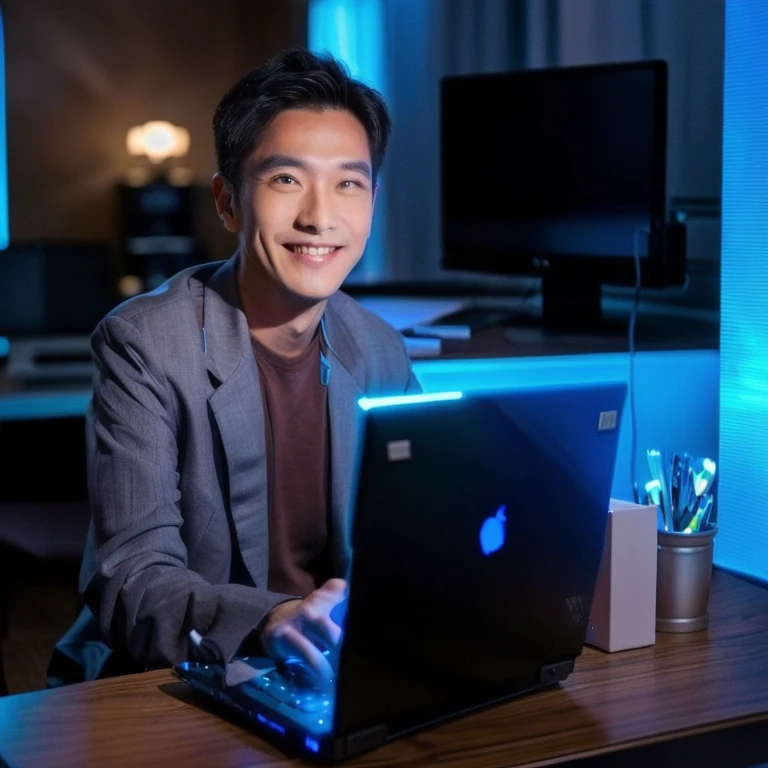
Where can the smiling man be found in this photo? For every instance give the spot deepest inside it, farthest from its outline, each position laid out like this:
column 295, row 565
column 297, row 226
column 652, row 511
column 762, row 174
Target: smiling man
column 223, row 430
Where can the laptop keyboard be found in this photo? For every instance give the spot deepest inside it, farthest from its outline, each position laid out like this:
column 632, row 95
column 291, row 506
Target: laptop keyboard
column 286, row 690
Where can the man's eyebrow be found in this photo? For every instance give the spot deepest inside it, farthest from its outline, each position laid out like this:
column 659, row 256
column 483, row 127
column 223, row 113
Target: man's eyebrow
column 358, row 166
column 272, row 162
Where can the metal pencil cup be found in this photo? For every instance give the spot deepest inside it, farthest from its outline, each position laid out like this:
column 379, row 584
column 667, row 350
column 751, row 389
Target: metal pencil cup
column 683, row 580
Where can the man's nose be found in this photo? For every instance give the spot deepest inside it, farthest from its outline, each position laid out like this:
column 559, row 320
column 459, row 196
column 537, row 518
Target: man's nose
column 317, row 212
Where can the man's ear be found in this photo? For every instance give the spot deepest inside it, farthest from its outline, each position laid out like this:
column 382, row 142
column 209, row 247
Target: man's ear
column 226, row 204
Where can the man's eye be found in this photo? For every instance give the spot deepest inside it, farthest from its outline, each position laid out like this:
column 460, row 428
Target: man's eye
column 350, row 184
column 284, row 179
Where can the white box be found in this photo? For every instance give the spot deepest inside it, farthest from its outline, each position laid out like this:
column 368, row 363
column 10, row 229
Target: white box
column 624, row 607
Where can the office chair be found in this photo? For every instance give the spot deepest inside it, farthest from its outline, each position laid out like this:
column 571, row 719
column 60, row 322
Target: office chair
column 48, row 532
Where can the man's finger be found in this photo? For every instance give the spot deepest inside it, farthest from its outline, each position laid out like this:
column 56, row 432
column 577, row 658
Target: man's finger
column 293, row 643
column 322, row 630
column 336, row 586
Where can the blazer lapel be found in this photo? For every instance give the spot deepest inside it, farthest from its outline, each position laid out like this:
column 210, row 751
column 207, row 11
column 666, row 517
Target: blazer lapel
column 344, row 389
column 237, row 409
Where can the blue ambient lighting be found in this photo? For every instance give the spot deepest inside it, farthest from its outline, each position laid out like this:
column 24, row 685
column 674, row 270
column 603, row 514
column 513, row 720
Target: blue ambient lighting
column 353, row 31
column 368, row 403
column 311, row 744
column 4, row 233
column 680, row 419
column 742, row 540
column 5, row 346
column 270, row 723
column 15, row 406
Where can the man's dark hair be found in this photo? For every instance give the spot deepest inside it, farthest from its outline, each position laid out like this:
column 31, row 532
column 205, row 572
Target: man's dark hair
column 294, row 79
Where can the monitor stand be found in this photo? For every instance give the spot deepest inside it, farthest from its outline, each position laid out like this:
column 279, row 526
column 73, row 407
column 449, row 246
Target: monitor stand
column 572, row 304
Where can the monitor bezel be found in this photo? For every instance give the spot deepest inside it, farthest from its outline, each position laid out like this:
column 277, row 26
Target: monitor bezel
column 655, row 271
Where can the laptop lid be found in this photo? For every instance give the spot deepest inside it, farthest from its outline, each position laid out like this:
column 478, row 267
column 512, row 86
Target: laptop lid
column 477, row 540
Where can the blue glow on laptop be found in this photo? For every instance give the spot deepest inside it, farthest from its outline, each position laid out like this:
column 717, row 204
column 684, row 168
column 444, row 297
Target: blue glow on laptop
column 368, row 403
column 271, row 723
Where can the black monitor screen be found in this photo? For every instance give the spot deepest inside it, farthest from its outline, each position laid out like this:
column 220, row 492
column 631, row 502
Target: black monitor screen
column 544, row 167
column 54, row 288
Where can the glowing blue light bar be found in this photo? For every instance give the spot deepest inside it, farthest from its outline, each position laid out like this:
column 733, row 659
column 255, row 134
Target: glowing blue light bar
column 680, row 420
column 271, row 723
column 743, row 482
column 312, row 744
column 353, row 31
column 4, row 228
column 367, row 403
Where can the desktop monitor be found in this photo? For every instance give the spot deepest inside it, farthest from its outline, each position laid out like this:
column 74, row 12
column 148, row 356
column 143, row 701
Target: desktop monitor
column 54, row 289
column 560, row 173
column 52, row 296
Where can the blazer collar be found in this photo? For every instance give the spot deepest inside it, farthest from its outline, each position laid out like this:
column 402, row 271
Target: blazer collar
column 226, row 337
column 344, row 390
column 339, row 341
column 224, row 327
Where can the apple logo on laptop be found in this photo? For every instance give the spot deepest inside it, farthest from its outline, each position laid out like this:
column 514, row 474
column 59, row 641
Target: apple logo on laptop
column 493, row 532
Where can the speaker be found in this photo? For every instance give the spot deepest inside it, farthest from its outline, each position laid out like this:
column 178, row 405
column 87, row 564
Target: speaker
column 158, row 230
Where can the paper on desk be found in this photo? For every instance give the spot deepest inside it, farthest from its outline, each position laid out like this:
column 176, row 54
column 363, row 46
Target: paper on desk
column 402, row 313
column 422, row 346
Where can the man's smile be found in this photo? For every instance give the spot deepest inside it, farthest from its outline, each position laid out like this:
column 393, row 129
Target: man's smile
column 312, row 250
column 313, row 254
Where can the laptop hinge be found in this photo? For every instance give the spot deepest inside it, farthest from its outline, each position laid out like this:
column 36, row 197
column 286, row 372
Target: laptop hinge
column 555, row 673
column 362, row 741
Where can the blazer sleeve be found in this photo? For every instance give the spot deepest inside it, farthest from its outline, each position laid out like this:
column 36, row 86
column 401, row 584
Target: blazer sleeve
column 137, row 583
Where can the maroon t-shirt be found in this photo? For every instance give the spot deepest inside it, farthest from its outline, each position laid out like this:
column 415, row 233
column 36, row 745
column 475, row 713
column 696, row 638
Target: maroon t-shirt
column 296, row 437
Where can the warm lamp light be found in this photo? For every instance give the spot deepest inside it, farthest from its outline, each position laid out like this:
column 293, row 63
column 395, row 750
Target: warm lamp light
column 158, row 140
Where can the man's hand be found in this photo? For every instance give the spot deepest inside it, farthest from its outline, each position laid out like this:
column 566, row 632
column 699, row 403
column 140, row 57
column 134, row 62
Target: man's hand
column 304, row 629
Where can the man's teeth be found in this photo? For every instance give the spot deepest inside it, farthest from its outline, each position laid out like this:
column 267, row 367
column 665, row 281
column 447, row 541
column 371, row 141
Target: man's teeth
column 312, row 251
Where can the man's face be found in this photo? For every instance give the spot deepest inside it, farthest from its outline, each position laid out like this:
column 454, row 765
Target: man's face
column 305, row 206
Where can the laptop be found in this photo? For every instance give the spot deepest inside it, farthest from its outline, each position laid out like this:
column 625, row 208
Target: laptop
column 477, row 538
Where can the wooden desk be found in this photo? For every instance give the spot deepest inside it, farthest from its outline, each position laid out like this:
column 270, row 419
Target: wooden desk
column 699, row 699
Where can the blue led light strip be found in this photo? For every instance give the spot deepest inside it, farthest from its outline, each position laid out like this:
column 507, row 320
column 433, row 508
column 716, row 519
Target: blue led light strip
column 742, row 541
column 368, row 403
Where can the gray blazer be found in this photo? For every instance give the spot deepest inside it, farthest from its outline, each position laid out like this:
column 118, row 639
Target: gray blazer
column 177, row 470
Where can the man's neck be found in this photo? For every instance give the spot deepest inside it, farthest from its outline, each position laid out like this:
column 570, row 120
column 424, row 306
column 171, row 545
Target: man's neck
column 278, row 321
